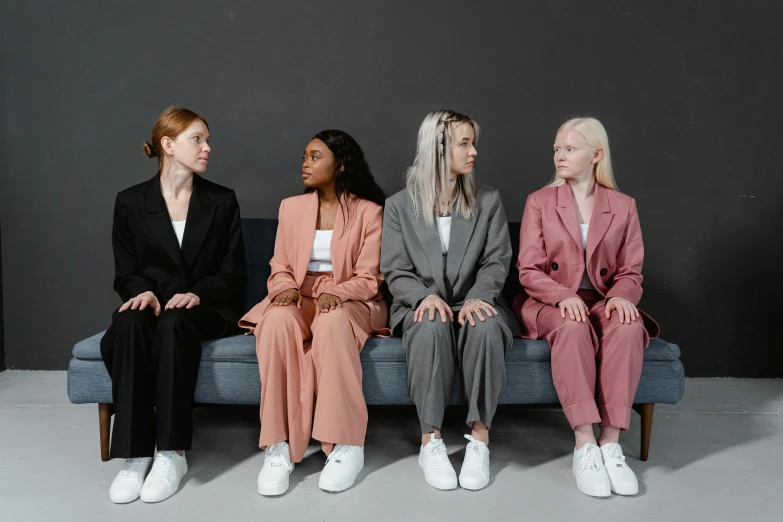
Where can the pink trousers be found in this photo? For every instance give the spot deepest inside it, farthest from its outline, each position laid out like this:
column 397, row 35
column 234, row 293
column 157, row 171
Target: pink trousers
column 311, row 376
column 602, row 350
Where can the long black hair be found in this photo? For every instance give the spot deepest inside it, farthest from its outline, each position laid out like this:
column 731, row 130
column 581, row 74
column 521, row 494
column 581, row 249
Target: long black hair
column 353, row 172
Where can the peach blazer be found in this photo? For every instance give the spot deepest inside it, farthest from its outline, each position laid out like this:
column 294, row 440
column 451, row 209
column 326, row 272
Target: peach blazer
column 355, row 249
column 552, row 259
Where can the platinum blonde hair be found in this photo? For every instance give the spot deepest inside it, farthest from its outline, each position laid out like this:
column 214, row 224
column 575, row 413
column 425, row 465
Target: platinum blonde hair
column 595, row 134
column 431, row 168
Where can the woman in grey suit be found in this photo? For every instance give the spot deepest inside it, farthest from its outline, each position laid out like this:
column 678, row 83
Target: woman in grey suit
column 445, row 256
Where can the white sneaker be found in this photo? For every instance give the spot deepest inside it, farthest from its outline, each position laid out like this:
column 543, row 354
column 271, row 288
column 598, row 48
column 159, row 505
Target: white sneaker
column 434, row 460
column 273, row 477
column 342, row 467
column 163, row 481
column 127, row 484
column 474, row 474
column 590, row 473
column 621, row 477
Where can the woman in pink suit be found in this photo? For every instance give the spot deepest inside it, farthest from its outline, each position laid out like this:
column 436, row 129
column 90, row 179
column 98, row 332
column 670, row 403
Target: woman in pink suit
column 580, row 263
column 323, row 303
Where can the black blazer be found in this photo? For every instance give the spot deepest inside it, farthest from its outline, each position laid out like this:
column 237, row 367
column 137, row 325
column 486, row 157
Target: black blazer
column 211, row 263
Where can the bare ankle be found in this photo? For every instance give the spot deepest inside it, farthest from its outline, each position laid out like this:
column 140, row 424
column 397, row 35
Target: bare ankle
column 609, row 435
column 584, row 435
column 480, row 432
column 426, row 437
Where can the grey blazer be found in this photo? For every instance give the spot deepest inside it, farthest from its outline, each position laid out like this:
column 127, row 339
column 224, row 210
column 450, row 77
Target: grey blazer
column 476, row 265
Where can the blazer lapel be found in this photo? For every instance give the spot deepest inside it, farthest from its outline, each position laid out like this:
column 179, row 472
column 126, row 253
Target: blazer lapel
column 200, row 214
column 306, row 236
column 336, row 248
column 429, row 238
column 157, row 218
column 459, row 239
column 600, row 220
column 565, row 208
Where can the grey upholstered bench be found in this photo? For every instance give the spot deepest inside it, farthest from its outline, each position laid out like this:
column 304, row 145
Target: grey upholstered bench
column 229, row 369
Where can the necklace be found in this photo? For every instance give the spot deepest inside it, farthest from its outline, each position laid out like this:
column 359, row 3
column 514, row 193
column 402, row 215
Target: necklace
column 445, row 204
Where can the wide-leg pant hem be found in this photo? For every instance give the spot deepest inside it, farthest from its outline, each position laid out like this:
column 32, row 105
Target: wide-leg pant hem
column 615, row 416
column 579, row 413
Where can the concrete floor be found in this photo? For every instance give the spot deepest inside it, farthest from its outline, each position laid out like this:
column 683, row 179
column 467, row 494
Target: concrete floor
column 716, row 456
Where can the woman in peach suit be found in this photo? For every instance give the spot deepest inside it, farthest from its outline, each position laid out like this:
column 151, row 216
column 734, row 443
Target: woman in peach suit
column 323, row 304
column 580, row 262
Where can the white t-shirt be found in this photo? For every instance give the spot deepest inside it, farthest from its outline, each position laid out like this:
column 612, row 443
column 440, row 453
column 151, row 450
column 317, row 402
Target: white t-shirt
column 585, row 284
column 321, row 256
column 444, row 231
column 179, row 229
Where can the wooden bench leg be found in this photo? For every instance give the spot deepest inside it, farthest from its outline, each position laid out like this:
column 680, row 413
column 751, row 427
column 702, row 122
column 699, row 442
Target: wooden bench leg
column 646, row 411
column 105, row 411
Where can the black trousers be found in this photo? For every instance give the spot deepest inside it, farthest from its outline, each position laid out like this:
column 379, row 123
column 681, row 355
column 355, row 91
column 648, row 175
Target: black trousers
column 153, row 364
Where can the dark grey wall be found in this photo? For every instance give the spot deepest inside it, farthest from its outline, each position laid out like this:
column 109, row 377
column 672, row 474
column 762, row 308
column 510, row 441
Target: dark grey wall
column 2, row 324
column 690, row 93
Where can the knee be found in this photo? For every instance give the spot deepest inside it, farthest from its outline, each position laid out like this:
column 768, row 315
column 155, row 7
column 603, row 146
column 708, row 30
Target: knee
column 333, row 331
column 490, row 336
column 435, row 330
column 575, row 329
column 277, row 334
column 430, row 340
column 173, row 318
column 276, row 319
column 491, row 328
column 575, row 337
column 631, row 335
column 332, row 321
column 127, row 326
column 132, row 318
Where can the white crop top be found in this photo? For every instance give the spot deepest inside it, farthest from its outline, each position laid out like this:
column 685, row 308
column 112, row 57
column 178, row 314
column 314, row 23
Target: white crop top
column 321, row 256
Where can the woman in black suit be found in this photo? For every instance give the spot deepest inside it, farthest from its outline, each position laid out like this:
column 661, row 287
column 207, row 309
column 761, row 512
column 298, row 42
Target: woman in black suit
column 180, row 270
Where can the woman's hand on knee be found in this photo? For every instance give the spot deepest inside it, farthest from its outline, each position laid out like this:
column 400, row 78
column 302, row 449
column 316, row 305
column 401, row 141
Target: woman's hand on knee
column 142, row 301
column 327, row 302
column 478, row 307
column 575, row 308
column 286, row 297
column 183, row 301
column 625, row 308
column 429, row 305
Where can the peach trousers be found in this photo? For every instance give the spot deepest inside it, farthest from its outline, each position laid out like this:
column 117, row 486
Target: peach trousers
column 311, row 376
column 601, row 349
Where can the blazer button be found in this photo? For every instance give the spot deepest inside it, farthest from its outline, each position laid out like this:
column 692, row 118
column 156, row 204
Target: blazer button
column 554, row 267
column 603, row 272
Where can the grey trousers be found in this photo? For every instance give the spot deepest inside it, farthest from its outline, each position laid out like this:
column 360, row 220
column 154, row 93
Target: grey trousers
column 431, row 349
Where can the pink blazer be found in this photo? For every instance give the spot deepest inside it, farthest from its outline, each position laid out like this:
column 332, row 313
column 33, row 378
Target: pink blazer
column 355, row 249
column 552, row 259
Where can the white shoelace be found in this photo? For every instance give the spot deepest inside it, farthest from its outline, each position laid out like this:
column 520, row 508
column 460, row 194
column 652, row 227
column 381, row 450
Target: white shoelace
column 438, row 454
column 591, row 459
column 340, row 454
column 163, row 465
column 474, row 454
column 616, row 454
column 130, row 468
column 276, row 457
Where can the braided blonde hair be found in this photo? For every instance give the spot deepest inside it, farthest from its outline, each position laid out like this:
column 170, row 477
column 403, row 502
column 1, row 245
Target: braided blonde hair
column 429, row 174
